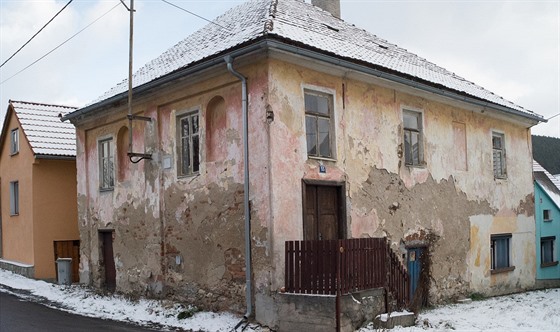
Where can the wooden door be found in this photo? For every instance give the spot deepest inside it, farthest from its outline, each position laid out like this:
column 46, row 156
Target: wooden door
column 69, row 249
column 322, row 213
column 108, row 260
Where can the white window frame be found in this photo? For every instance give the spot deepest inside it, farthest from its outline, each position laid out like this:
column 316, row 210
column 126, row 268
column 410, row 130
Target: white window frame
column 14, row 141
column 315, row 116
column 106, row 163
column 500, row 171
column 409, row 131
column 14, row 198
column 188, row 165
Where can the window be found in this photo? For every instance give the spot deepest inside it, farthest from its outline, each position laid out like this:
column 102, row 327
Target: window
column 547, row 251
column 14, row 198
column 319, row 124
column 546, row 215
column 14, row 141
column 188, row 144
column 413, row 149
column 106, row 168
column 500, row 252
column 499, row 155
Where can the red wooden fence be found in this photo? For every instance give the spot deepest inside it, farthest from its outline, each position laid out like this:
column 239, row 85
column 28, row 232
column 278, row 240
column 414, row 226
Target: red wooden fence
column 344, row 266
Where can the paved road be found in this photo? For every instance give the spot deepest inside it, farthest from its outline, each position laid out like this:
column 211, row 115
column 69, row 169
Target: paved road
column 21, row 315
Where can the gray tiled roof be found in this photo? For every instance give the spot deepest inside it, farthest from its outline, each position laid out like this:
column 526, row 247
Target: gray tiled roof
column 549, row 183
column 41, row 124
column 308, row 26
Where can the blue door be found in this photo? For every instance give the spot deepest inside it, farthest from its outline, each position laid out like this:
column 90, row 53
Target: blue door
column 414, row 266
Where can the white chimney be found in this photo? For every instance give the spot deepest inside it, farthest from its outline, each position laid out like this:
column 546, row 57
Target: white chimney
column 332, row 6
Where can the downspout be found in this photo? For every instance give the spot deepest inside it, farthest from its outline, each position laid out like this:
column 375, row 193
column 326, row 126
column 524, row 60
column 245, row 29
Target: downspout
column 248, row 285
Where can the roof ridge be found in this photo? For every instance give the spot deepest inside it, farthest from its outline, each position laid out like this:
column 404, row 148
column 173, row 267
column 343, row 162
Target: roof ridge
column 41, row 104
column 269, row 23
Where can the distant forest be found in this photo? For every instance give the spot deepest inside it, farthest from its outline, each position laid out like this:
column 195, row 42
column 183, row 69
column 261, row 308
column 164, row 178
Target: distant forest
column 546, row 151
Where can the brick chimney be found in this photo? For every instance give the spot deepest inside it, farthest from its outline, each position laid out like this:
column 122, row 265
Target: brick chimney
column 332, row 6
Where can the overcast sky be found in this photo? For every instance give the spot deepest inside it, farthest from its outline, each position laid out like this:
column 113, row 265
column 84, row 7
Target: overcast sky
column 511, row 48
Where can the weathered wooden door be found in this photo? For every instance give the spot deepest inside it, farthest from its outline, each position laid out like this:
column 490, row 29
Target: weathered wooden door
column 108, row 260
column 69, row 249
column 322, row 217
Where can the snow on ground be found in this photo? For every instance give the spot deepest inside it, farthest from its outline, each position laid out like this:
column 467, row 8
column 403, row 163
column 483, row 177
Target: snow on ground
column 531, row 311
column 79, row 300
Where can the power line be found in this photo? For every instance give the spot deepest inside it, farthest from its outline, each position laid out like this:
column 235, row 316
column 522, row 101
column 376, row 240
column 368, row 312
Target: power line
column 30, row 39
column 64, row 42
column 185, row 10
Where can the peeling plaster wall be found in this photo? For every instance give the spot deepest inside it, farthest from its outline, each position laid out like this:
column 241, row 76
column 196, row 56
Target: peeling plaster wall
column 444, row 198
column 183, row 237
column 180, row 237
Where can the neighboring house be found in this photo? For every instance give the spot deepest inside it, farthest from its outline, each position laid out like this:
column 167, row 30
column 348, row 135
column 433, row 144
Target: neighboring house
column 349, row 137
column 38, row 190
column 547, row 218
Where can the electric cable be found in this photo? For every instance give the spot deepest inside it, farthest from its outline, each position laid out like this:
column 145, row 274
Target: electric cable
column 185, row 10
column 30, row 39
column 64, row 42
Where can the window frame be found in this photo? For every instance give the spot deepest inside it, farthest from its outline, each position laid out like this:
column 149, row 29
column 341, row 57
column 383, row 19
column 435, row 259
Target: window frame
column 495, row 253
column 14, row 198
column 193, row 166
column 14, row 141
column 419, row 115
column 502, row 153
column 317, row 116
column 553, row 259
column 547, row 215
column 105, row 185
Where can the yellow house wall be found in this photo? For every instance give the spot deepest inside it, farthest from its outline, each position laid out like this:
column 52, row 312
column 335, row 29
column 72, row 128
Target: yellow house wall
column 54, row 211
column 17, row 231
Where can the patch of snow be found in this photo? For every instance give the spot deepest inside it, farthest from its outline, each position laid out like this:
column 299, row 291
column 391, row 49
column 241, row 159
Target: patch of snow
column 79, row 300
column 530, row 311
column 15, row 263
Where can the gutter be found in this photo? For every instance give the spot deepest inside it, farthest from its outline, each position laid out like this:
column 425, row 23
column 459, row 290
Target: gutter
column 248, row 284
column 315, row 55
column 54, row 157
column 181, row 73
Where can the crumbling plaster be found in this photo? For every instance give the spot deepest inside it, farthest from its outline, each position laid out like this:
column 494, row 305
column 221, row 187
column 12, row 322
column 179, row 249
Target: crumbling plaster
column 387, row 198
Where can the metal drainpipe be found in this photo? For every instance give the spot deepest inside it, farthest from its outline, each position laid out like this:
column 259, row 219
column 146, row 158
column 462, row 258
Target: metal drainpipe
column 248, row 292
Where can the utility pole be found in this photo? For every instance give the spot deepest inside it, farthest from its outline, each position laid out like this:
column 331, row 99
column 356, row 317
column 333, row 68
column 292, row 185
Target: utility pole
column 130, row 116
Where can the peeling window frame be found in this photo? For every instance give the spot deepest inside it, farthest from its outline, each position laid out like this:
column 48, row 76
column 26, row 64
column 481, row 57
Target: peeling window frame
column 318, row 116
column 14, row 141
column 106, row 164
column 500, row 152
column 550, row 252
column 419, row 116
column 192, row 138
column 499, row 243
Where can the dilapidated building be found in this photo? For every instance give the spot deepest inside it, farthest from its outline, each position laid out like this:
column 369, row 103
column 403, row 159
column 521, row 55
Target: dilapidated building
column 348, row 136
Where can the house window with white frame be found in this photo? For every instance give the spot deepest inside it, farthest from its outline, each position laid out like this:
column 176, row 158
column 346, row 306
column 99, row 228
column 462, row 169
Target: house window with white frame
column 319, row 120
column 547, row 251
column 106, row 164
column 14, row 198
column 500, row 251
column 14, row 141
column 499, row 155
column 188, row 145
column 413, row 147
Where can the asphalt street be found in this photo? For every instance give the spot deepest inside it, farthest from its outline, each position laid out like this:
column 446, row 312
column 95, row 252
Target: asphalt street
column 17, row 314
